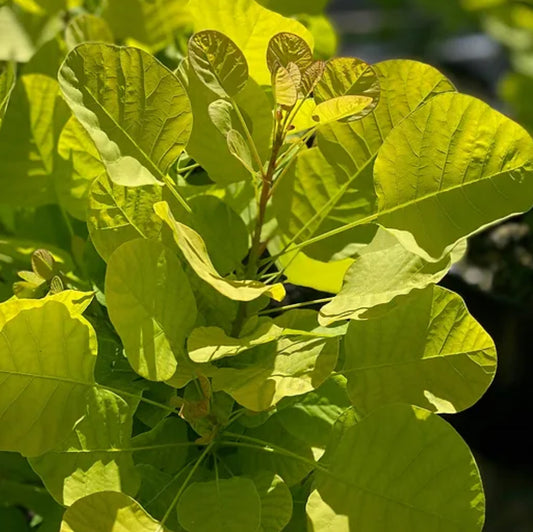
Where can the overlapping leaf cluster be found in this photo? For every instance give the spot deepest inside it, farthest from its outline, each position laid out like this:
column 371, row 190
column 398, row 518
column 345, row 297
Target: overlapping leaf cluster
column 153, row 373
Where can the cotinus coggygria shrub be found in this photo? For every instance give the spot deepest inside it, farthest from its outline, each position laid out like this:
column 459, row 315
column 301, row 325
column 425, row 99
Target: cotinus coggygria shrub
column 154, row 374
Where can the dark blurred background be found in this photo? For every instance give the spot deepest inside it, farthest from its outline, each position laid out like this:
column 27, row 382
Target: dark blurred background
column 486, row 48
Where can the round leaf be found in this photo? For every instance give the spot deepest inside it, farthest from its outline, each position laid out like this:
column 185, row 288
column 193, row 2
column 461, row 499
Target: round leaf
column 108, row 511
column 117, row 214
column 451, row 168
column 47, row 359
column 152, row 306
column 224, row 505
column 401, row 468
column 285, row 48
column 428, row 351
column 218, row 62
column 135, row 109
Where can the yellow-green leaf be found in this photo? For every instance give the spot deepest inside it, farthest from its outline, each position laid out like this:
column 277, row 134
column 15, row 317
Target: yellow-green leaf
column 108, row 511
column 117, row 214
column 450, row 169
column 429, row 351
column 95, row 457
column 218, row 63
column 81, row 167
column 285, row 48
column 135, row 110
column 400, row 468
column 47, row 358
column 151, row 305
column 222, row 505
column 87, row 28
column 194, row 249
column 34, row 118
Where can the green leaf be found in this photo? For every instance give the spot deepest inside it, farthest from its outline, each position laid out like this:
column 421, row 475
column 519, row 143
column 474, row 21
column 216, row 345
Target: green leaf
column 151, row 24
column 238, row 147
column 285, row 48
column 118, row 214
column 249, row 25
column 207, row 344
column 332, row 185
column 193, row 248
column 7, row 83
column 311, row 417
column 352, row 107
column 272, row 432
column 82, row 167
column 276, row 501
column 143, row 128
column 428, row 352
column 383, row 271
column 347, row 76
column 224, row 505
column 108, row 512
column 75, row 302
column 208, row 145
column 288, row 367
column 165, row 447
column 220, row 112
column 151, row 305
column 95, row 457
column 28, row 137
column 285, row 83
column 218, row 63
column 46, row 368
column 401, row 468
column 87, row 28
column 453, row 159
column 223, row 230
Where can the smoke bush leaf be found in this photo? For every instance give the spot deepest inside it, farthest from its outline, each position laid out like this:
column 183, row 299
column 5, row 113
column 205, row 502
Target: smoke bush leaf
column 383, row 271
column 95, row 457
column 135, row 110
column 428, row 351
column 285, row 48
column 482, row 175
column 347, row 76
column 151, row 305
column 46, row 369
column 260, row 377
column 354, row 490
column 218, row 63
column 118, row 214
column 152, row 24
column 32, row 123
column 208, row 144
column 193, row 248
column 82, row 166
column 276, row 501
column 110, row 512
column 233, row 506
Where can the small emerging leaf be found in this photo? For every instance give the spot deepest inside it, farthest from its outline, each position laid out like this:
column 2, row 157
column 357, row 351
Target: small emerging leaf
column 285, row 48
column 238, row 147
